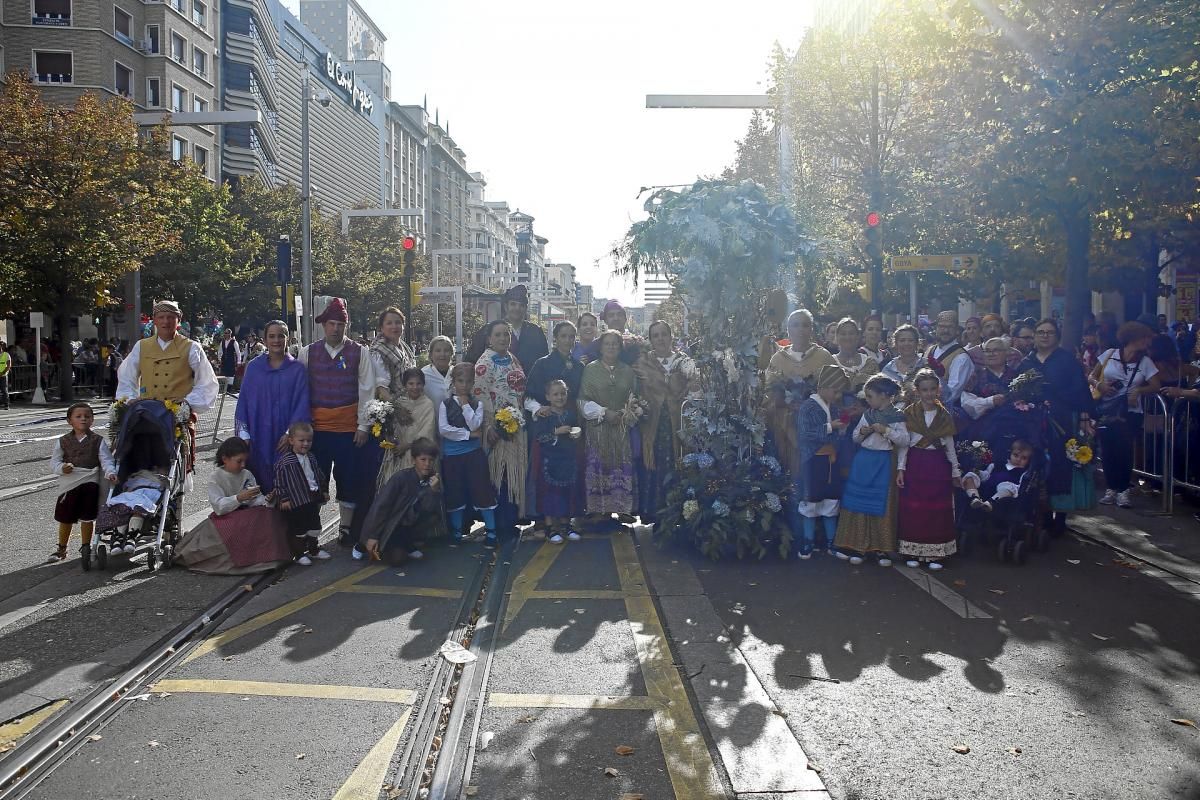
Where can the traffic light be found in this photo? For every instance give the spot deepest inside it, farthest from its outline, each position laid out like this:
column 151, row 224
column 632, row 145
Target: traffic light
column 409, row 244
column 874, row 234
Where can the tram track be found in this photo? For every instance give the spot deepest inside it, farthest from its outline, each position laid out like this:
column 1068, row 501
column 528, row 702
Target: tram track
column 39, row 754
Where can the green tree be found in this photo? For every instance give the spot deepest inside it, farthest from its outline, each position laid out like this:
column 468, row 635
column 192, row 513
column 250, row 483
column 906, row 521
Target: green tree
column 83, row 201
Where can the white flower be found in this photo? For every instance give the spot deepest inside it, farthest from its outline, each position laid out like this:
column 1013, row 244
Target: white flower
column 690, row 509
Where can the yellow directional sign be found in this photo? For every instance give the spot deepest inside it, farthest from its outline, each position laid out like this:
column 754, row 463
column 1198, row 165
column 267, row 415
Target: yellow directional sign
column 945, row 263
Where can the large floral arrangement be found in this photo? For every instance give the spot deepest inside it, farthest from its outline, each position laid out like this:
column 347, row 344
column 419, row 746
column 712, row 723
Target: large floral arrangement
column 974, row 456
column 381, row 414
column 724, row 511
column 723, row 246
column 1026, row 390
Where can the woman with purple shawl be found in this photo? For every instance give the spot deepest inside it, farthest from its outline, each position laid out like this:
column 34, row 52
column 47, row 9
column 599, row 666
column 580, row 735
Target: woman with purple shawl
column 274, row 395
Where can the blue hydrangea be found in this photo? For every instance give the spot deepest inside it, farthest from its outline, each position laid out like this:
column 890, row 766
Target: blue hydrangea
column 690, row 459
column 771, row 463
column 704, row 460
column 773, row 502
column 720, row 508
column 691, row 492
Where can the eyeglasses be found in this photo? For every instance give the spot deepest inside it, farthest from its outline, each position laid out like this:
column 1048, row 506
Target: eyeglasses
column 1045, row 333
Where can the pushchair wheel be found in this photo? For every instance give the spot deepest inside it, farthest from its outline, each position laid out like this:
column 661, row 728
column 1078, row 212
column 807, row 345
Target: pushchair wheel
column 1002, row 550
column 150, row 560
column 1019, row 552
column 168, row 556
column 85, row 557
column 1043, row 540
column 101, row 556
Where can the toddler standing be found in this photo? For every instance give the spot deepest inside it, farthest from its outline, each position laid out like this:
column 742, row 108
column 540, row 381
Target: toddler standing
column 464, row 464
column 558, row 472
column 79, row 459
column 301, row 490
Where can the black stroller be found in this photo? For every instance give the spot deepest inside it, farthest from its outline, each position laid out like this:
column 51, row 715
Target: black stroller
column 148, row 440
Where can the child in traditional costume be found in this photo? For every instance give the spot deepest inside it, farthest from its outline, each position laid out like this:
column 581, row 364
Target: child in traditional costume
column 867, row 520
column 79, row 459
column 464, row 464
column 818, row 484
column 557, row 473
column 928, row 474
column 421, row 413
column 407, row 509
column 301, row 490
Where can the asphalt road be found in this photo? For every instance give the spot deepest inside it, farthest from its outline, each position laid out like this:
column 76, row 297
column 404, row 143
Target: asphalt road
column 686, row 679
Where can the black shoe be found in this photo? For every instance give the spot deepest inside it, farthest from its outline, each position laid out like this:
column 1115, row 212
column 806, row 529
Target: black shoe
column 345, row 539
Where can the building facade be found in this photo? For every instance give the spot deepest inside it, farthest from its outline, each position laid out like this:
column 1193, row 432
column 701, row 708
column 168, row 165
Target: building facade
column 449, row 201
column 495, row 269
column 265, row 52
column 161, row 56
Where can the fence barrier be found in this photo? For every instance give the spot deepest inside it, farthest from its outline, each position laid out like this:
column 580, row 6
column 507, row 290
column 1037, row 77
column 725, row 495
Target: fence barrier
column 1152, row 454
column 22, row 380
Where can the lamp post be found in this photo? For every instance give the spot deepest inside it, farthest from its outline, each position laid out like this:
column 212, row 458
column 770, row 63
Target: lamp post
column 306, row 280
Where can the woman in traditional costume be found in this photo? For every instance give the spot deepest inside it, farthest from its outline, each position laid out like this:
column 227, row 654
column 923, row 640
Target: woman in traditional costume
column 608, row 386
column 588, row 326
column 928, row 474
column 665, row 375
column 985, row 399
column 274, row 395
column 500, row 383
column 858, row 365
column 908, row 361
column 791, row 377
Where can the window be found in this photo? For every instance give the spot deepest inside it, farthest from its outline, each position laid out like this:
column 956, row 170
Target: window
column 199, row 61
column 153, row 94
column 199, row 13
column 151, row 43
column 52, row 67
column 178, row 98
column 178, row 148
column 52, row 12
column 199, row 105
column 179, row 5
column 200, row 156
column 178, row 48
column 123, row 25
column 123, row 80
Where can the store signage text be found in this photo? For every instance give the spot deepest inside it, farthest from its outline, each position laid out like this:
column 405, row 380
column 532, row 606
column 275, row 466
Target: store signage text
column 344, row 78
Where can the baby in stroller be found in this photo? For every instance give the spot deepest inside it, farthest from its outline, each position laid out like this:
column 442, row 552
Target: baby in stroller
column 1005, row 498
column 125, row 514
column 988, row 490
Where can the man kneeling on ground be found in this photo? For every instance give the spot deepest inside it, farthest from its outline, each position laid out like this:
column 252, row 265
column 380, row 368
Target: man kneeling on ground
column 407, row 509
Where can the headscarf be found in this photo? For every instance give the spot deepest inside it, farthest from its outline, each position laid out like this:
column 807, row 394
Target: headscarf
column 612, row 305
column 335, row 312
column 518, row 292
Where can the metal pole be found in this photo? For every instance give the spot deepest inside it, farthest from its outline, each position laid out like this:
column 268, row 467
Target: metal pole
column 437, row 282
column 876, row 193
column 912, row 297
column 306, row 212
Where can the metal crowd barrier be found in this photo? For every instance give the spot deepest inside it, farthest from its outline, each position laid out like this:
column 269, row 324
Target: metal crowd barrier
column 1153, row 459
column 22, row 380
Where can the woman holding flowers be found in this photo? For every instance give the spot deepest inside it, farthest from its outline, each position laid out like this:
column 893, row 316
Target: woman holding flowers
column 500, row 384
column 607, row 402
column 665, row 375
column 1070, row 483
column 790, row 379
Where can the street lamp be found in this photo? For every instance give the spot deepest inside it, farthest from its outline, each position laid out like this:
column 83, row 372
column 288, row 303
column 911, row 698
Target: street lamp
column 306, row 288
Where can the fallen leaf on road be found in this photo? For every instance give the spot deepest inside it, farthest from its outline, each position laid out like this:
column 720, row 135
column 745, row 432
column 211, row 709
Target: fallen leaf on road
column 227, row 658
column 159, row 614
column 817, row 768
column 1072, row 560
column 1026, row 619
column 145, row 696
column 152, row 743
column 163, row 695
column 1078, row 714
column 623, row 750
column 307, row 630
column 960, row 583
column 472, row 791
column 1120, row 562
column 394, row 793
column 1101, row 638
column 95, row 737
column 1014, row 751
column 247, row 587
column 961, row 749
column 581, row 611
column 610, row 772
column 299, row 756
column 527, row 719
column 1189, row 723
column 996, row 591
column 485, row 739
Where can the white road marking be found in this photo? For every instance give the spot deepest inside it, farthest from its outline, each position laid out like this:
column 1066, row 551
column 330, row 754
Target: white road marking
column 943, row 593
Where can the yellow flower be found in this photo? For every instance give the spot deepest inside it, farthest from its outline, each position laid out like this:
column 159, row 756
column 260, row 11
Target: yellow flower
column 387, row 445
column 1084, row 455
column 376, row 429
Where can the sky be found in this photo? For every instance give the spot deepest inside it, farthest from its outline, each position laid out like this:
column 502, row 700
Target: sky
column 547, row 99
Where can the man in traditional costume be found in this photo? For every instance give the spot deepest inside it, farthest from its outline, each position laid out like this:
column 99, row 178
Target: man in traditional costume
column 170, row 366
column 790, row 378
column 341, row 384
column 956, row 365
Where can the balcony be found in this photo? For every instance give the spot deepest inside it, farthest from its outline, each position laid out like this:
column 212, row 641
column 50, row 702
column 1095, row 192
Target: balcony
column 52, row 19
column 50, row 77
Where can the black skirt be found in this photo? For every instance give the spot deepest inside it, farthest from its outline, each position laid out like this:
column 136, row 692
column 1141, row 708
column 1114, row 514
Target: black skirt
column 79, row 504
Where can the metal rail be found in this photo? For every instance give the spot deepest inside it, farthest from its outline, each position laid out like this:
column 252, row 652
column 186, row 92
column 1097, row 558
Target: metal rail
column 39, row 754
column 1156, row 448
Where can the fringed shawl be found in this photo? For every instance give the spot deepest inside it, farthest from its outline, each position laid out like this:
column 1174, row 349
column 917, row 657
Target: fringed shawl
column 610, row 388
column 397, row 358
column 663, row 392
column 500, row 381
column 943, row 425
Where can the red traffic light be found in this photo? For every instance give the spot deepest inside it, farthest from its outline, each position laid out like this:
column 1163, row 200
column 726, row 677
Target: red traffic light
column 409, row 243
column 873, row 219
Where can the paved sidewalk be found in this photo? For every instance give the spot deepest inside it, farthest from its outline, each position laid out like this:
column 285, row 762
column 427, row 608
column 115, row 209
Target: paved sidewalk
column 1170, row 543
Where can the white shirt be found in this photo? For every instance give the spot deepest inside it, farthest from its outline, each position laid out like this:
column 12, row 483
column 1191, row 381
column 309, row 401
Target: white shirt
column 1116, row 370
column 223, row 504
column 205, row 388
column 107, row 462
column 896, row 436
column 473, row 417
column 306, row 463
column 366, row 379
column 947, row 444
column 977, row 406
column 958, row 374
column 437, row 385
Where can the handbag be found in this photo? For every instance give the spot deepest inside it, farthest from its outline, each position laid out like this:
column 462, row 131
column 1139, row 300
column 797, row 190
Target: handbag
column 1115, row 408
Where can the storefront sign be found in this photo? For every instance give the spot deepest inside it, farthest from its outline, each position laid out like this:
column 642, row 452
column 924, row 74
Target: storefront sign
column 1185, row 296
column 344, row 78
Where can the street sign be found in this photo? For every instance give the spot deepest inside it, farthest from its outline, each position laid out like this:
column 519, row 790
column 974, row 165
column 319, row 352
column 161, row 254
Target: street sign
column 952, row 263
column 37, row 319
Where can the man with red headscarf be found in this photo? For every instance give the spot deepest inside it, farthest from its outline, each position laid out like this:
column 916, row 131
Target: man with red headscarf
column 341, row 382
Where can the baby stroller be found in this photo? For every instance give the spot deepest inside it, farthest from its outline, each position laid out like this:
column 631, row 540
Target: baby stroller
column 151, row 471
column 1013, row 526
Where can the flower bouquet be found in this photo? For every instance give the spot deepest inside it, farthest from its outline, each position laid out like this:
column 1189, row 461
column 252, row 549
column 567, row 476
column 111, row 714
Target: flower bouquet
column 509, row 421
column 182, row 413
column 1080, row 450
column 381, row 413
column 115, row 413
column 1026, row 390
column 974, row 456
column 635, row 409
